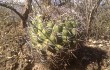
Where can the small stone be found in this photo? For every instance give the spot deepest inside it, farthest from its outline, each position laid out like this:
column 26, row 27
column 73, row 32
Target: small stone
column 100, row 45
column 94, row 42
column 9, row 57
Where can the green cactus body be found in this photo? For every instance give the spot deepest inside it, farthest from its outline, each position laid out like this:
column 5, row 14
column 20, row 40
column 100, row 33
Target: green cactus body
column 51, row 37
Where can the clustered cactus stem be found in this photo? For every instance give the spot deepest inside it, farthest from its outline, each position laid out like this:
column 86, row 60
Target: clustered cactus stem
column 52, row 36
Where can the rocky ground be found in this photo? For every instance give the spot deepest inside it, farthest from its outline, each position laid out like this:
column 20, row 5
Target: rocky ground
column 105, row 46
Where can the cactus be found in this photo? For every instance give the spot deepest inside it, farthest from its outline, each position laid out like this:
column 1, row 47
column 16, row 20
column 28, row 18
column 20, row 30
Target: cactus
column 52, row 37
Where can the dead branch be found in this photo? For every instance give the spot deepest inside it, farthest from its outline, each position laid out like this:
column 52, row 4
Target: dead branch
column 91, row 15
column 11, row 8
column 24, row 17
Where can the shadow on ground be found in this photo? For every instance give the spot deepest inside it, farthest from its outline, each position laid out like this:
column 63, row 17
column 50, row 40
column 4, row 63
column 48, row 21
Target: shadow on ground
column 87, row 56
column 84, row 58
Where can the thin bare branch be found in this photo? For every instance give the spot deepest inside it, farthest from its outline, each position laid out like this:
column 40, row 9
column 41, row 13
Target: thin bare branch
column 11, row 8
column 94, row 10
column 24, row 17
